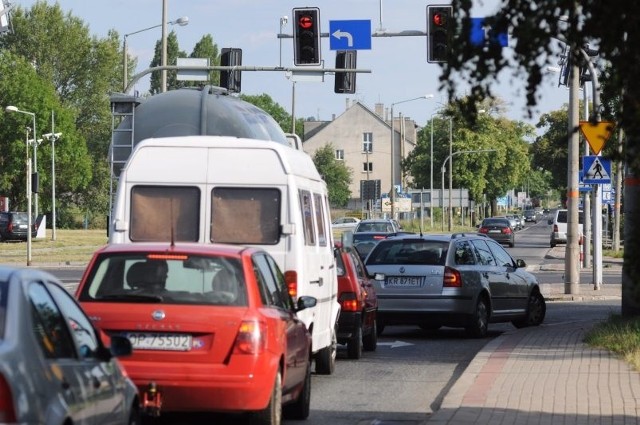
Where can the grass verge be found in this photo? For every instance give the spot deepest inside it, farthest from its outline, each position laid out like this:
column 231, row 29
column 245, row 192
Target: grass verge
column 71, row 247
column 620, row 336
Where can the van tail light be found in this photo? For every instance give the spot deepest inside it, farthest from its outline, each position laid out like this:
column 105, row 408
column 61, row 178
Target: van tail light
column 291, row 280
column 252, row 337
column 349, row 302
column 555, row 228
column 7, row 410
column 452, row 278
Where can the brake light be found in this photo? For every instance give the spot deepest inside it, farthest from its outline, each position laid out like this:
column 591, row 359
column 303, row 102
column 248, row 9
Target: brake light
column 379, row 237
column 7, row 411
column 349, row 302
column 555, row 228
column 252, row 337
column 506, row 230
column 291, row 280
column 451, row 278
column 483, row 230
column 10, row 227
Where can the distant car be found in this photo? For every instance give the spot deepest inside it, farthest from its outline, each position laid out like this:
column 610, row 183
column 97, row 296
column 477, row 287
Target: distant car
column 55, row 368
column 369, row 232
column 530, row 215
column 13, row 226
column 213, row 327
column 459, row 280
column 559, row 227
column 514, row 221
column 345, row 223
column 498, row 229
column 357, row 323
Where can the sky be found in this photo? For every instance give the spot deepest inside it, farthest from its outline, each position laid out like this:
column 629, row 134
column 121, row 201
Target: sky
column 398, row 65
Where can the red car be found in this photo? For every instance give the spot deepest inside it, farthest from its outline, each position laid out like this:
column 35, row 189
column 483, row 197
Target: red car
column 357, row 324
column 213, row 327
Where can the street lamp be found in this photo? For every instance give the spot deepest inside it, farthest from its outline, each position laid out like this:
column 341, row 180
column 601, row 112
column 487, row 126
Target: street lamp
column 443, row 170
column 28, row 176
column 180, row 21
column 53, row 137
column 392, row 195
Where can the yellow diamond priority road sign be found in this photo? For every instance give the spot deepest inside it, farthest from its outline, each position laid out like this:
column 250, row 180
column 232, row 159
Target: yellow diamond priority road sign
column 597, row 134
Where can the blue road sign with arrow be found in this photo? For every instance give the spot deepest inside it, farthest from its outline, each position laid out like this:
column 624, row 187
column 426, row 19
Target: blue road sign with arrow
column 482, row 34
column 350, row 35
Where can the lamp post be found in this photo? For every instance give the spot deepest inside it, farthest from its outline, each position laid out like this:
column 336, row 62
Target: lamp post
column 392, row 195
column 53, row 138
column 125, row 64
column 283, row 22
column 443, row 171
column 28, row 177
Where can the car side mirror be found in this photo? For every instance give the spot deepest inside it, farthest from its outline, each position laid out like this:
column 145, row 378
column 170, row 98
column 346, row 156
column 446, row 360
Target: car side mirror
column 520, row 263
column 305, row 302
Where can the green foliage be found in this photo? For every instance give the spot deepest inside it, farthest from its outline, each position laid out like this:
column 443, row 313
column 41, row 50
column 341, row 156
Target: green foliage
column 206, row 48
column 620, row 336
column 173, row 53
column 335, row 174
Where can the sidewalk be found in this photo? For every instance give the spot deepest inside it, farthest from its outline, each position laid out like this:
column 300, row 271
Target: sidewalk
column 546, row 375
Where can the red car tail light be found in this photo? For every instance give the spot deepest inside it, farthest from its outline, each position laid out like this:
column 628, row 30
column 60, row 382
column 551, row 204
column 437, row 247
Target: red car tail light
column 452, row 278
column 483, row 230
column 291, row 280
column 506, row 230
column 252, row 337
column 349, row 302
column 7, row 411
column 10, row 227
column 555, row 228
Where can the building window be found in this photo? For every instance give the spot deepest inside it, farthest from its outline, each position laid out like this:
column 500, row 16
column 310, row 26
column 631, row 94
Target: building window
column 367, row 167
column 340, row 154
column 367, row 142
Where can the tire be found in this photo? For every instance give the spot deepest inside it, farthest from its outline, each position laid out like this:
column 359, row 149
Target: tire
column 272, row 414
column 512, row 244
column 479, row 321
column 134, row 416
column 326, row 357
column 553, row 244
column 370, row 340
column 380, row 328
column 299, row 410
column 354, row 345
column 536, row 311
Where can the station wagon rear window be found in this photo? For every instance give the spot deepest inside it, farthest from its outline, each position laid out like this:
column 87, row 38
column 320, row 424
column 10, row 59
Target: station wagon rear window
column 407, row 251
column 245, row 215
column 163, row 213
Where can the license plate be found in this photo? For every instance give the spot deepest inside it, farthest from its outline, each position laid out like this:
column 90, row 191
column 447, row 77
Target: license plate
column 494, row 231
column 23, row 226
column 160, row 341
column 404, row 281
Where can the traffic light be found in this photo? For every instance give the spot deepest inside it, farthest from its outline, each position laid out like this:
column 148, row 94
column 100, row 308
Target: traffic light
column 231, row 80
column 439, row 32
column 345, row 81
column 306, row 36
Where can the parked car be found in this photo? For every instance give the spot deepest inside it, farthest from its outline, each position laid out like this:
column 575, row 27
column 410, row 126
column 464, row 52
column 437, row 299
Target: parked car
column 345, row 223
column 559, row 226
column 213, row 327
column 55, row 368
column 459, row 280
column 530, row 215
column 13, row 226
column 498, row 229
column 357, row 323
column 369, row 232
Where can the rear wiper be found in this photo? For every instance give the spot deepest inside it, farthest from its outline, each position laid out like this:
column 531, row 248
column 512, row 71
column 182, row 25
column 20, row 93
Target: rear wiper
column 149, row 298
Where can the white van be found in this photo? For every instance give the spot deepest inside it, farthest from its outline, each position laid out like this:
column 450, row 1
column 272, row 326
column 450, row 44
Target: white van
column 559, row 227
column 219, row 189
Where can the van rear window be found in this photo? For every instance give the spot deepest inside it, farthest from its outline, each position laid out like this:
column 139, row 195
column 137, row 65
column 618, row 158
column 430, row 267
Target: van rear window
column 157, row 212
column 245, row 215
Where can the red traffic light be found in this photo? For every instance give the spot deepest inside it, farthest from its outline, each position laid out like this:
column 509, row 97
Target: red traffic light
column 440, row 19
column 305, row 22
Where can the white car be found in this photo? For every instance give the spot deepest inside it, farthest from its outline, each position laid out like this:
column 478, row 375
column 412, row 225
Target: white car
column 345, row 223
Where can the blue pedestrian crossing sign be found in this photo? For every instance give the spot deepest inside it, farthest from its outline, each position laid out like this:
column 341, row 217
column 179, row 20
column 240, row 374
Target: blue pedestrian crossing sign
column 350, row 35
column 596, row 169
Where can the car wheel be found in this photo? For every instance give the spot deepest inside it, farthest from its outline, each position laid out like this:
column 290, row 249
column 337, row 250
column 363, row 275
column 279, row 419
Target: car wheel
column 370, row 340
column 272, row 414
column 512, row 244
column 479, row 321
column 536, row 310
column 553, row 244
column 380, row 328
column 134, row 416
column 326, row 357
column 299, row 410
column 354, row 345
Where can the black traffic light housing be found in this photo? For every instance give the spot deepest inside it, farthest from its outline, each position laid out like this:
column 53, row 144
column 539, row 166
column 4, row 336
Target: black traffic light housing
column 440, row 27
column 306, row 36
column 231, row 80
column 345, row 82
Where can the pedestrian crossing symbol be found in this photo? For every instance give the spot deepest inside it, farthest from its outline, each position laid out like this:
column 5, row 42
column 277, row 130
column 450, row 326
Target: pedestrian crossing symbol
column 597, row 170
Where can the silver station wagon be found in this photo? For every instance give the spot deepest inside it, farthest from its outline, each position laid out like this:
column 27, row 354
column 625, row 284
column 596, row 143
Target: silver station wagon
column 459, row 280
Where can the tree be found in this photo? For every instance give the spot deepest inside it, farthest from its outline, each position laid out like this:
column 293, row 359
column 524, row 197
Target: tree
column 206, row 48
column 173, row 53
column 614, row 27
column 335, row 174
